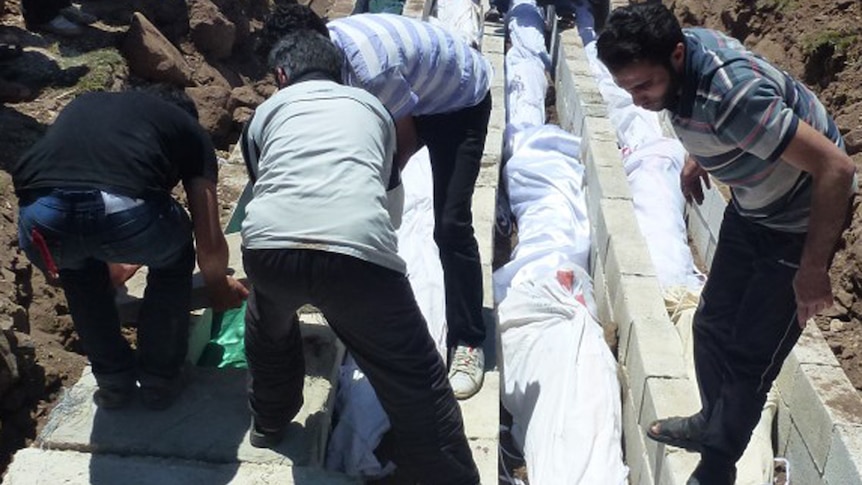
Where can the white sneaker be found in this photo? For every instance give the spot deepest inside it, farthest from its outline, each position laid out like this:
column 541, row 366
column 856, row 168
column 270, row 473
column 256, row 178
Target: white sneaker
column 467, row 371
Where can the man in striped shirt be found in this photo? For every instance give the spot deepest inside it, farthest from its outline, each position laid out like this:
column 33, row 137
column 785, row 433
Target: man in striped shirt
column 437, row 89
column 765, row 135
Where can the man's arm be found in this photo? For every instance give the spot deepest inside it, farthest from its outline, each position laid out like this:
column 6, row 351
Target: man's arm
column 406, row 140
column 832, row 173
column 212, row 251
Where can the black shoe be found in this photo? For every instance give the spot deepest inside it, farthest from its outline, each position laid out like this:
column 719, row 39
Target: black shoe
column 162, row 396
column 113, row 398
column 264, row 438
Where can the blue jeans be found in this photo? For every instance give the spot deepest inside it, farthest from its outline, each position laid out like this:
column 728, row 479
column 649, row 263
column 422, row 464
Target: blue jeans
column 82, row 239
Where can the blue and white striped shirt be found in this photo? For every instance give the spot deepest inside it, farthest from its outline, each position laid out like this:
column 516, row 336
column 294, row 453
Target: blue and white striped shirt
column 736, row 115
column 413, row 67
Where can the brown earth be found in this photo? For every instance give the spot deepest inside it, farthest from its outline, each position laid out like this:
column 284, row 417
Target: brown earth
column 817, row 41
column 39, row 351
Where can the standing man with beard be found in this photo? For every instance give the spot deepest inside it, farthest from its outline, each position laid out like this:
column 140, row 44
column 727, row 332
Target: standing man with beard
column 765, row 135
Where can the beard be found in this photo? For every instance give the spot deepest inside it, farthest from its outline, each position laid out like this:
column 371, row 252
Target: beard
column 670, row 101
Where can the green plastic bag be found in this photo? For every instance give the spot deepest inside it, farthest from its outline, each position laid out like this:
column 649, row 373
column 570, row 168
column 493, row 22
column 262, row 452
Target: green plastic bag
column 226, row 348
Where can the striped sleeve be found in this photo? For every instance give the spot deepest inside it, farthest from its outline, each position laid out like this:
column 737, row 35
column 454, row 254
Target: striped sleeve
column 753, row 116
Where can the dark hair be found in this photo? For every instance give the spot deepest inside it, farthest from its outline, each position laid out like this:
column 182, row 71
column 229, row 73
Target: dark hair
column 640, row 32
column 285, row 18
column 172, row 94
column 304, row 52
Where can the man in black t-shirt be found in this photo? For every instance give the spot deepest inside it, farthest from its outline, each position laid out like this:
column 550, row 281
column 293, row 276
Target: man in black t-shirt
column 95, row 190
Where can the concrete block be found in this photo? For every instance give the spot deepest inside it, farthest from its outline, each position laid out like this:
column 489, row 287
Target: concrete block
column 699, row 232
column 822, row 398
column 485, row 455
column 602, row 152
column 608, row 182
column 709, row 254
column 600, row 291
column 801, row 464
column 482, row 411
column 200, row 333
column 844, row 465
column 33, row 466
column 788, row 377
column 785, row 424
column 634, row 445
column 664, row 398
column 811, row 348
column 601, row 128
column 130, row 297
column 627, row 251
column 493, row 143
column 654, row 352
column 209, row 421
column 676, row 467
column 638, row 298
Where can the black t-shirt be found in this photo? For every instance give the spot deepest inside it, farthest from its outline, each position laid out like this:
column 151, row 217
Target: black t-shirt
column 128, row 143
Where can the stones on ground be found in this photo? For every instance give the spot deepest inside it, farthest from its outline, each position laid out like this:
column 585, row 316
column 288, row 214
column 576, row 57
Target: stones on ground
column 211, row 31
column 211, row 102
column 171, row 17
column 152, row 56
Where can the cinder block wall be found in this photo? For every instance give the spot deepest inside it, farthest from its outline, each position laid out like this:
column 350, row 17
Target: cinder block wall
column 654, row 379
column 819, row 420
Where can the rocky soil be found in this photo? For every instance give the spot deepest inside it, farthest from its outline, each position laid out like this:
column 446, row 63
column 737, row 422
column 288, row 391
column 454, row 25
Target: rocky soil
column 205, row 46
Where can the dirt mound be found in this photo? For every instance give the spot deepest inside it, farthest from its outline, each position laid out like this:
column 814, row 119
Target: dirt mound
column 179, row 42
column 827, row 59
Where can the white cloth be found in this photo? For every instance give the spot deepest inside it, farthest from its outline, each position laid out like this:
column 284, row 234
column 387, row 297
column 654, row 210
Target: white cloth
column 560, row 384
column 362, row 420
column 526, row 64
column 546, row 194
column 558, row 375
column 463, row 18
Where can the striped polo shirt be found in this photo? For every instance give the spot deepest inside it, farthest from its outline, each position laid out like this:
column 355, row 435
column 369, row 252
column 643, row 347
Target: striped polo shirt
column 413, row 67
column 736, row 115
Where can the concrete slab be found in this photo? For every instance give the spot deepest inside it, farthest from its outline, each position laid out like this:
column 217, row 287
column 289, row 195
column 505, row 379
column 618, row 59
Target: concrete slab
column 482, row 411
column 485, row 455
column 844, row 465
column 129, row 297
column 210, row 420
column 33, row 466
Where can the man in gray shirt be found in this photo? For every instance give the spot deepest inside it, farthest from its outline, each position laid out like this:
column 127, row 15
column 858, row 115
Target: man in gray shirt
column 318, row 231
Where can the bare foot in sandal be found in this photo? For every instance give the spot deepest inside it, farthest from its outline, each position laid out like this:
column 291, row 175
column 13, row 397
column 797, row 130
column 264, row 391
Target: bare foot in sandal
column 681, row 432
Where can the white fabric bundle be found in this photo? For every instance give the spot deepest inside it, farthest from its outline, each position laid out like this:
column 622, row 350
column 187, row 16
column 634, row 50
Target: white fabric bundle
column 558, row 375
column 361, row 419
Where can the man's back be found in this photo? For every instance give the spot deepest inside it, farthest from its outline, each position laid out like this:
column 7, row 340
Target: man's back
column 324, row 159
column 413, row 67
column 128, row 143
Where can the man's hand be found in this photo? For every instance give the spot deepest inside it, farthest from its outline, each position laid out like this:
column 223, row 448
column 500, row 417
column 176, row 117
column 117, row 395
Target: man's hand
column 227, row 296
column 813, row 292
column 690, row 181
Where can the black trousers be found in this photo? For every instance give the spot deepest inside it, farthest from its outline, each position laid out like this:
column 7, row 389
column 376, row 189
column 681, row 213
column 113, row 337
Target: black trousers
column 744, row 328
column 455, row 144
column 38, row 12
column 373, row 311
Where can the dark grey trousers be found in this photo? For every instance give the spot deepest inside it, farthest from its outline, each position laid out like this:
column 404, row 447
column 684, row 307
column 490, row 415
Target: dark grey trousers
column 373, row 311
column 744, row 328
